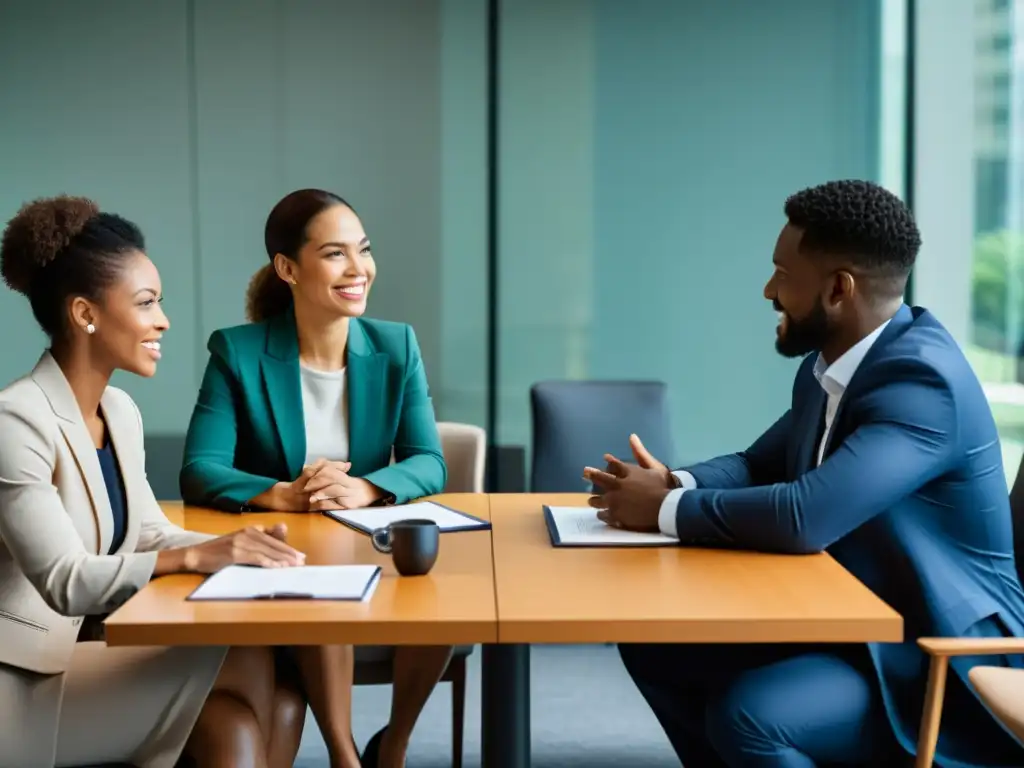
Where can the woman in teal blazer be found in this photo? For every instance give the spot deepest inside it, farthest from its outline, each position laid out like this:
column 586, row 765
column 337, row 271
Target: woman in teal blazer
column 300, row 409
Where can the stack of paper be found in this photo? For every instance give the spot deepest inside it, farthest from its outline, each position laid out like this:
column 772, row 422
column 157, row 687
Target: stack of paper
column 307, row 582
column 580, row 527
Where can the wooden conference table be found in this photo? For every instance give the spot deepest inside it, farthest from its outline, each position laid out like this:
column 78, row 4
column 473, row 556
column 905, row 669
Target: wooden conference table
column 507, row 588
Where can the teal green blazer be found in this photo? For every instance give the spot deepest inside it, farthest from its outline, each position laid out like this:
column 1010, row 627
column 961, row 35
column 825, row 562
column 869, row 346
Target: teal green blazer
column 247, row 431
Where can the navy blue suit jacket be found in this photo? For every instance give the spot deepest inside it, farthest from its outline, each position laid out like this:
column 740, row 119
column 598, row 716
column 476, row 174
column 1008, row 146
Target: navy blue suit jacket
column 910, row 497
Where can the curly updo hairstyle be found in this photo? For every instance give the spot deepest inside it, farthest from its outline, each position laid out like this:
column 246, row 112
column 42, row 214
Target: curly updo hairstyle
column 285, row 233
column 59, row 247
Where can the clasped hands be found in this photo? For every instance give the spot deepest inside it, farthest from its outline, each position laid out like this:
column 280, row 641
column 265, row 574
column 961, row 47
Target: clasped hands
column 633, row 493
column 325, row 485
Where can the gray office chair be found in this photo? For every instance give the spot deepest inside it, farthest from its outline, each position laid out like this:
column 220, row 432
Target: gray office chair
column 465, row 448
column 576, row 422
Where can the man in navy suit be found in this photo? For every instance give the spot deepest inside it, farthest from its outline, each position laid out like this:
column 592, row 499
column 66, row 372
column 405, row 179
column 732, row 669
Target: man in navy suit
column 888, row 459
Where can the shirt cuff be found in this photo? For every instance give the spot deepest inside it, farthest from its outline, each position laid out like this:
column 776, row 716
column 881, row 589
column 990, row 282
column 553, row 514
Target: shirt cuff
column 670, row 506
column 667, row 514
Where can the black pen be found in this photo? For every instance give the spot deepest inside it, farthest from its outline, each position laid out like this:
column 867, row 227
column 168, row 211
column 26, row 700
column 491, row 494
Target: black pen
column 285, row 596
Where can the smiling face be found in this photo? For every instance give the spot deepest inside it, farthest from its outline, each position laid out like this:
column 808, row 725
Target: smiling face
column 796, row 291
column 334, row 268
column 128, row 319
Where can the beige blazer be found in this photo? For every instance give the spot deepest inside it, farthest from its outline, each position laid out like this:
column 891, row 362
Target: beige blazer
column 56, row 524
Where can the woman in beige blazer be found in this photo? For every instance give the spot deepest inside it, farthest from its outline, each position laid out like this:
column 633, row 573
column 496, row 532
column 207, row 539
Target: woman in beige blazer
column 80, row 530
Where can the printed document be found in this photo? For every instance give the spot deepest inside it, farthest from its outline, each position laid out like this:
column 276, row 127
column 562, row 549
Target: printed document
column 378, row 517
column 579, row 527
column 304, row 582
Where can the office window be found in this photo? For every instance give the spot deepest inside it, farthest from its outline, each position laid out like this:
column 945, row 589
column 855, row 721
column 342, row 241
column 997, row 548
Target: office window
column 996, row 339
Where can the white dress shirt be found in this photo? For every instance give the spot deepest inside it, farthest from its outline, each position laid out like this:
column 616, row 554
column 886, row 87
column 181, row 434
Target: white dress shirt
column 834, row 379
column 324, row 412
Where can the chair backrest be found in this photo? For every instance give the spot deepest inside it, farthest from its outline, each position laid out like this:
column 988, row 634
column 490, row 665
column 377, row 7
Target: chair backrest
column 576, row 422
column 465, row 453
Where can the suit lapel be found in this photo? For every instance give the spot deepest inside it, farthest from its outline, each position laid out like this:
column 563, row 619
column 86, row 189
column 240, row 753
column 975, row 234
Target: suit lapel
column 280, row 370
column 122, row 431
column 812, row 423
column 904, row 316
column 50, row 379
column 366, row 369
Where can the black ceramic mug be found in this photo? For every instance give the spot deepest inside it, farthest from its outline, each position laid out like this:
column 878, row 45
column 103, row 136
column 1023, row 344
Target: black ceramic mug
column 412, row 545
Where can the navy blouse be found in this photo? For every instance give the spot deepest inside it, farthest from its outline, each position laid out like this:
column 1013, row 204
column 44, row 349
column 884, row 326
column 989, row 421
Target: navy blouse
column 115, row 491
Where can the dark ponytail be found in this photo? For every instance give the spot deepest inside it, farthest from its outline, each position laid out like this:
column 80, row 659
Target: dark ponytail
column 267, row 296
column 285, row 233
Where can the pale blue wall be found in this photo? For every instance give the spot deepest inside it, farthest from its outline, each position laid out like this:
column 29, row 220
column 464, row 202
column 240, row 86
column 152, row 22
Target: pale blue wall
column 461, row 378
column 546, row 212
column 707, row 116
column 194, row 118
column 643, row 182
column 646, row 149
column 99, row 105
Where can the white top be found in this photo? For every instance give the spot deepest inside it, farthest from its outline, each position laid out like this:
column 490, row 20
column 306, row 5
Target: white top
column 834, row 379
column 325, row 413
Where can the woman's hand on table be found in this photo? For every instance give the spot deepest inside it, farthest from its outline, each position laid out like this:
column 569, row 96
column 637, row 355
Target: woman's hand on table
column 253, row 545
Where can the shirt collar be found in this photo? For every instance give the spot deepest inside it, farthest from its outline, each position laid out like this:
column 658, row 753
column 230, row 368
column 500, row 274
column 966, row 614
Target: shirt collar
column 835, row 378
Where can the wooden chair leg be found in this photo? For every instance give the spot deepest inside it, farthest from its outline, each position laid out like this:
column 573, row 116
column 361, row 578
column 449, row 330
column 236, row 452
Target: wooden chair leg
column 457, row 674
column 931, row 718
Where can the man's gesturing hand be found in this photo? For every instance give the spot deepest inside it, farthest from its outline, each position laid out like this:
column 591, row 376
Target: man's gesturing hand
column 633, row 493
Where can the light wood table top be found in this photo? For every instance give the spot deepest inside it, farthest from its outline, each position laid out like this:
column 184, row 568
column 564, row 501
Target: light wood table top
column 672, row 594
column 453, row 604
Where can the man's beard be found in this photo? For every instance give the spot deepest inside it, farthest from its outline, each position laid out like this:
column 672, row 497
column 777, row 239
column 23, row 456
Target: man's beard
column 801, row 337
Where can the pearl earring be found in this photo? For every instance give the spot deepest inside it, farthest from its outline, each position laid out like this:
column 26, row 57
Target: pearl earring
column 90, row 328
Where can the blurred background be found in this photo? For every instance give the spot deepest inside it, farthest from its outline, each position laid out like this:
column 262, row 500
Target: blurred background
column 555, row 189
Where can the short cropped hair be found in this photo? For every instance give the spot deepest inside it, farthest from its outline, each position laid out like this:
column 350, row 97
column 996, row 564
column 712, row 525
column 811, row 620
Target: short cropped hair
column 862, row 223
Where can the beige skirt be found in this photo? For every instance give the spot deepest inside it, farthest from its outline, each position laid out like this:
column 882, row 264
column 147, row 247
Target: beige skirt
column 119, row 705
